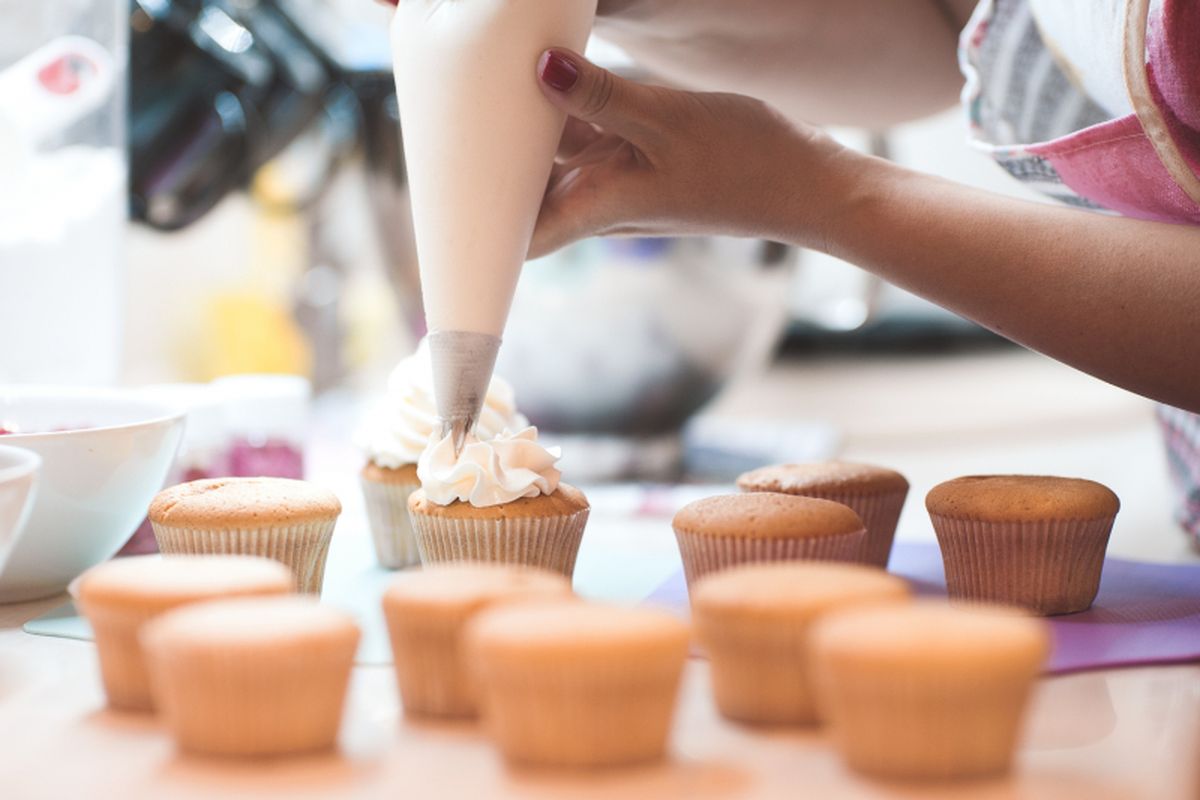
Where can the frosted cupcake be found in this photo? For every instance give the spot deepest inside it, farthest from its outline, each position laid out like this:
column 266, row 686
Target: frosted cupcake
column 875, row 493
column 499, row 500
column 1032, row 541
column 287, row 520
column 393, row 437
column 926, row 690
column 720, row 532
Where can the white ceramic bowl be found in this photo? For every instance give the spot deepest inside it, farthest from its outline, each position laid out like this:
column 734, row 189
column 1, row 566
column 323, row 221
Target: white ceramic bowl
column 105, row 454
column 18, row 475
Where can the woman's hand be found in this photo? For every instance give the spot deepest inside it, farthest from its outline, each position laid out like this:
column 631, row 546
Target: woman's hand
column 645, row 160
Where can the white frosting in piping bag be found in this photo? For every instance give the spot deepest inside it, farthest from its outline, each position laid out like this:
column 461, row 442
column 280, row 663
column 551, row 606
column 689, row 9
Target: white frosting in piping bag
column 479, row 142
column 488, row 473
column 396, row 433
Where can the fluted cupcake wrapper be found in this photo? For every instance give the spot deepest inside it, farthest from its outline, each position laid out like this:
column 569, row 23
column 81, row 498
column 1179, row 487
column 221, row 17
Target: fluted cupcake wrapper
column 703, row 554
column 585, row 715
column 231, row 703
column 302, row 548
column 391, row 526
column 895, row 725
column 879, row 513
column 430, row 673
column 548, row 542
column 1046, row 566
column 122, row 662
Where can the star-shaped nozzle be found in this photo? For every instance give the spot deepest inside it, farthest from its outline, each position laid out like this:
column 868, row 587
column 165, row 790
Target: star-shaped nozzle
column 462, row 369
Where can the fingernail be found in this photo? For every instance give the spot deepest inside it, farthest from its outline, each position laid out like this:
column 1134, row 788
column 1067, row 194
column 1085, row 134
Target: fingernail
column 390, row 2
column 557, row 71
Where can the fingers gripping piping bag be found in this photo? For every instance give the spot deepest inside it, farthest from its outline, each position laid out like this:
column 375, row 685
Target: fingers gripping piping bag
column 479, row 142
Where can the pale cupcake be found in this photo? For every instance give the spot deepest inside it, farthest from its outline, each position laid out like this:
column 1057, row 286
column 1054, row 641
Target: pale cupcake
column 287, row 520
column 578, row 684
column 500, row 501
column 426, row 612
column 875, row 493
column 727, row 530
column 1030, row 541
column 257, row 677
column 393, row 437
column 925, row 690
column 119, row 597
column 754, row 622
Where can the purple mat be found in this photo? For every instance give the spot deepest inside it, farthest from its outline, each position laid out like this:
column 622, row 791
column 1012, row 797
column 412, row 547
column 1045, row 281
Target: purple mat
column 1145, row 613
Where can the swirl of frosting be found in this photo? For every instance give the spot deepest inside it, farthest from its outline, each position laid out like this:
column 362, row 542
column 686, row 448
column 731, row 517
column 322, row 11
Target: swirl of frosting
column 395, row 433
column 488, row 473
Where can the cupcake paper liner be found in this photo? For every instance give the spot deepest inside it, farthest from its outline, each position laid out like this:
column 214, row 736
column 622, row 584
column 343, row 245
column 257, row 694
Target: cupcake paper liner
column 582, row 715
column 391, row 527
column 122, row 662
column 302, row 548
column 1048, row 566
column 548, row 542
column 927, row 726
column 704, row 554
column 879, row 513
column 231, row 703
column 430, row 673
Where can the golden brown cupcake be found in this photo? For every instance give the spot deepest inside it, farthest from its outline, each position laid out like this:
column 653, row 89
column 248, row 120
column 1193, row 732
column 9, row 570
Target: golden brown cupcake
column 925, row 690
column 119, row 597
column 254, row 677
column 287, row 520
column 875, row 493
column 386, row 491
column 754, row 621
column 1031, row 541
column 720, row 532
column 578, row 684
column 542, row 531
column 426, row 612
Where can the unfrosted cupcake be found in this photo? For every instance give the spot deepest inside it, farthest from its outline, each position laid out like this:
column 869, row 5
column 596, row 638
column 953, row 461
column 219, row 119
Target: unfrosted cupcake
column 875, row 493
column 119, row 597
column 393, row 437
column 253, row 677
column 727, row 530
column 925, row 690
column 1032, row 541
column 499, row 500
column 754, row 621
column 578, row 684
column 426, row 612
column 287, row 520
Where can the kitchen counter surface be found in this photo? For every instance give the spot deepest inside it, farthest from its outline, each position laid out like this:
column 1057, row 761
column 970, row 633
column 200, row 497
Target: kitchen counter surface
column 1130, row 733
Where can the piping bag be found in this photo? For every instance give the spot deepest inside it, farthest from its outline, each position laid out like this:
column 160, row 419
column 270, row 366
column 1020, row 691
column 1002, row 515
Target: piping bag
column 479, row 142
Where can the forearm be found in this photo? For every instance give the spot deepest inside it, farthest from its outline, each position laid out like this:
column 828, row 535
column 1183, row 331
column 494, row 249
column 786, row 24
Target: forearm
column 1115, row 297
column 868, row 63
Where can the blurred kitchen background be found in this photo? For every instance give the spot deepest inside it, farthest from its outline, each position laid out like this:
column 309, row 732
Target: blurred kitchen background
column 268, row 233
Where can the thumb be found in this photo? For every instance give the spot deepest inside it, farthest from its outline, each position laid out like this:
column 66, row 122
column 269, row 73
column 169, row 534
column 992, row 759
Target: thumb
column 595, row 95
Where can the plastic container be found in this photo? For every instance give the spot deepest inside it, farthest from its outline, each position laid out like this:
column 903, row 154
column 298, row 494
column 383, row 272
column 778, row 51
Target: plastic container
column 63, row 192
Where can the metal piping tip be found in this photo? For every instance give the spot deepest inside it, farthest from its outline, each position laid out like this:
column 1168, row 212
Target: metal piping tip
column 462, row 369
column 457, row 429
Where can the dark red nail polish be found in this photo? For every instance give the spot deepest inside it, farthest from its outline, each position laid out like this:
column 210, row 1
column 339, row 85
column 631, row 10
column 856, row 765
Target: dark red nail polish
column 391, row 2
column 557, row 71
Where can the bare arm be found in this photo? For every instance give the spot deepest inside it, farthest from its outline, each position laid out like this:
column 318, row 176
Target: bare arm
column 852, row 62
column 1118, row 298
column 1115, row 297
